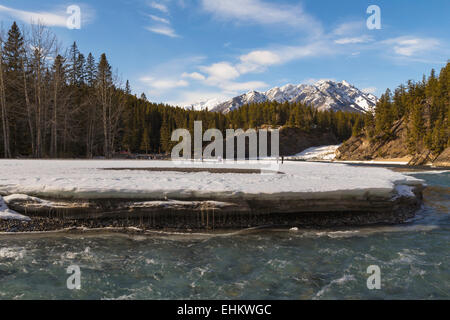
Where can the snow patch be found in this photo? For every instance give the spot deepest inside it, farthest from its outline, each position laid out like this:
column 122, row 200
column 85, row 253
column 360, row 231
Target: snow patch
column 84, row 179
column 405, row 191
column 8, row 214
column 317, row 153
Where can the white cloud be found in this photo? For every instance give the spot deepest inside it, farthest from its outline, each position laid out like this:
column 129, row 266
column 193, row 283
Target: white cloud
column 221, row 71
column 163, row 84
column 257, row 60
column 163, row 30
column 350, row 28
column 47, row 18
column 159, row 19
column 223, row 77
column 57, row 18
column 162, row 25
column 410, row 46
column 314, row 49
column 159, row 6
column 261, row 12
column 263, row 57
column 355, row 40
column 223, row 74
column 194, row 76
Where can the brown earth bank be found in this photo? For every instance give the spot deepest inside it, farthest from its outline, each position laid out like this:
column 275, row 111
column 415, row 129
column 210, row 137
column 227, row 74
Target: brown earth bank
column 390, row 147
column 210, row 215
column 443, row 160
column 303, row 221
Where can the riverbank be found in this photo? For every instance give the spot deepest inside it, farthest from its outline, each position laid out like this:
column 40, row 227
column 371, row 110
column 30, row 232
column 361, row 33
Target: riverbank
column 161, row 195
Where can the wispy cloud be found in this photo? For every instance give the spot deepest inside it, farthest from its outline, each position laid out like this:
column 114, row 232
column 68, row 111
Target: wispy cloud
column 354, row 40
column 410, row 46
column 349, row 28
column 227, row 78
column 47, row 18
column 168, row 76
column 193, row 75
column 159, row 19
column 161, row 25
column 164, row 30
column 262, row 12
column 164, row 84
column 159, row 6
column 224, row 74
column 260, row 60
column 58, row 18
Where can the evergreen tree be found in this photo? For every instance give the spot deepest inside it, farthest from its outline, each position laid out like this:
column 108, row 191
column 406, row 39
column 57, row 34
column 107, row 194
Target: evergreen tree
column 14, row 51
column 127, row 88
column 81, row 69
column 14, row 63
column 165, row 135
column 145, row 141
column 91, row 70
column 73, row 64
column 104, row 88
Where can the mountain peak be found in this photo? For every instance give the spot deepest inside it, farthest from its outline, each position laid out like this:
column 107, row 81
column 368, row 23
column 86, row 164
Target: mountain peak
column 324, row 95
column 346, row 84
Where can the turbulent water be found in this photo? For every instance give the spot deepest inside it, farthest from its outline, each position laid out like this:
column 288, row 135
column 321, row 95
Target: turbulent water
column 414, row 260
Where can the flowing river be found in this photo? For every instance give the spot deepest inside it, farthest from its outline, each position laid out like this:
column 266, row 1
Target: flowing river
column 414, row 260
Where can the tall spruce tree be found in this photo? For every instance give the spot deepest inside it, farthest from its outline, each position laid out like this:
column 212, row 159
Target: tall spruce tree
column 74, row 54
column 91, row 70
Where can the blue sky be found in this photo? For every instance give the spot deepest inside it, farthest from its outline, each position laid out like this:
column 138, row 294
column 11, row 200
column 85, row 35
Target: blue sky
column 186, row 51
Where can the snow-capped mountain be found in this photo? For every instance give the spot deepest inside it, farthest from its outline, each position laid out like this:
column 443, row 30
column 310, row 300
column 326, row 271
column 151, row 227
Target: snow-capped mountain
column 324, row 95
column 208, row 104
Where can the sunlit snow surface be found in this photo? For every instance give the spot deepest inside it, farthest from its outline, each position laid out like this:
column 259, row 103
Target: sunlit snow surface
column 317, row 153
column 89, row 179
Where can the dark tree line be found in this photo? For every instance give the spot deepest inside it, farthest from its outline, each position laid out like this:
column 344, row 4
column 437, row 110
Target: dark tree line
column 148, row 127
column 57, row 103
column 425, row 108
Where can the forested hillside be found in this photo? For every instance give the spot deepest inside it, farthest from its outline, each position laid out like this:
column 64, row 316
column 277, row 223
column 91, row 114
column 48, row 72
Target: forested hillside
column 58, row 102
column 413, row 121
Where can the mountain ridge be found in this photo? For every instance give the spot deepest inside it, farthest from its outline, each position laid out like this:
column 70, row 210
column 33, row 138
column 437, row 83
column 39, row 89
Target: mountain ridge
column 324, row 95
